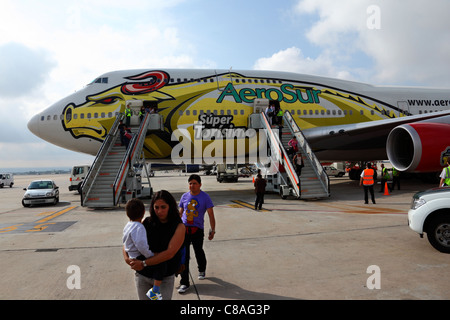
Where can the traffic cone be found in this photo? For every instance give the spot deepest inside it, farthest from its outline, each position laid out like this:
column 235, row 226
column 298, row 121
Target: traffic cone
column 253, row 179
column 386, row 189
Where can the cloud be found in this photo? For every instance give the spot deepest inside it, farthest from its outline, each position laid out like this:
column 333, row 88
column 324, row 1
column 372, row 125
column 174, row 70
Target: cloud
column 23, row 69
column 410, row 44
column 293, row 60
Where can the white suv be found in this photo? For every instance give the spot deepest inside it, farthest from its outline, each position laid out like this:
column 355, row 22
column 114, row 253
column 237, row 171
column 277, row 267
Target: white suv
column 430, row 213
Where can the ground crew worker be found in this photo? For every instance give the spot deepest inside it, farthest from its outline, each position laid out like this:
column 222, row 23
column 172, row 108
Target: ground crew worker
column 385, row 176
column 368, row 181
column 445, row 175
column 395, row 178
column 128, row 114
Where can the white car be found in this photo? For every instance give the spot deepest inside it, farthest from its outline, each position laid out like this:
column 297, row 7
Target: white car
column 430, row 213
column 41, row 192
column 332, row 171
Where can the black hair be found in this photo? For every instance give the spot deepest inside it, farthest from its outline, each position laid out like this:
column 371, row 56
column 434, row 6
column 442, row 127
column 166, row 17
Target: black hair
column 195, row 177
column 168, row 198
column 135, row 209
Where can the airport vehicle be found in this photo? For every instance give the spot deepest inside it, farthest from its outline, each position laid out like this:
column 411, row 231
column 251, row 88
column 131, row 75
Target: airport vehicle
column 77, row 175
column 6, row 179
column 203, row 116
column 332, row 171
column 227, row 173
column 430, row 213
column 41, row 192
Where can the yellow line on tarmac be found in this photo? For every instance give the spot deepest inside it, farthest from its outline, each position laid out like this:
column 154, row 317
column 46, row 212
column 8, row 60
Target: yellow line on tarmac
column 247, row 205
column 56, row 214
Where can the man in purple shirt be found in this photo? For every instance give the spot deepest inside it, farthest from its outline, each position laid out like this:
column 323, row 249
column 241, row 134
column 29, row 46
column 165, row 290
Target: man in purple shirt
column 193, row 206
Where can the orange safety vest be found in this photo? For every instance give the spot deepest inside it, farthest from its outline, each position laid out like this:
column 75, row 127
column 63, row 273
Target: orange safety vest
column 368, row 177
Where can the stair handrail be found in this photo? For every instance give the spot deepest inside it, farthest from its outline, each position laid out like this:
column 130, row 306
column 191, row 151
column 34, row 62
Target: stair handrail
column 307, row 151
column 134, row 150
column 283, row 156
column 92, row 174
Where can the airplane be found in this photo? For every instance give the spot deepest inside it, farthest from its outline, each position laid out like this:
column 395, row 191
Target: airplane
column 342, row 120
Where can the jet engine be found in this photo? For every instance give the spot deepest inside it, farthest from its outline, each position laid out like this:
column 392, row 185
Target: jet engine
column 420, row 146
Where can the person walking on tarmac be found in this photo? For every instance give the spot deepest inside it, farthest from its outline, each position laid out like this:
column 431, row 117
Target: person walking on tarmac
column 367, row 180
column 385, row 176
column 260, row 189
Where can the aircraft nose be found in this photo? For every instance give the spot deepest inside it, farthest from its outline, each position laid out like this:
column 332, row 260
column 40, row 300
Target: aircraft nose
column 33, row 125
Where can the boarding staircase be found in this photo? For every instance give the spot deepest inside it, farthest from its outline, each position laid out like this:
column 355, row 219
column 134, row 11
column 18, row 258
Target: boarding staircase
column 281, row 176
column 114, row 165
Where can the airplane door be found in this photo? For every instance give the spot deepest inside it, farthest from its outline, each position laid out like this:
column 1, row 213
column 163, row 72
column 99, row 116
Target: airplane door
column 218, row 82
column 403, row 108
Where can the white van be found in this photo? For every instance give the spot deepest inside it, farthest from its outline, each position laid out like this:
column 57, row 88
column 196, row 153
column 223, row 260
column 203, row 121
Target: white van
column 77, row 176
column 6, row 179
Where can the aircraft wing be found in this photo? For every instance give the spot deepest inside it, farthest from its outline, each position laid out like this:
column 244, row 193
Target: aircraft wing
column 359, row 141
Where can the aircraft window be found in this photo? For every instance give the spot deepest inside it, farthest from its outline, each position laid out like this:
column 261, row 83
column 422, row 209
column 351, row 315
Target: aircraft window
column 109, row 114
column 243, row 81
column 81, row 115
column 372, row 112
column 362, row 112
column 228, row 112
column 194, row 112
column 188, row 112
column 49, row 117
column 242, row 112
column 42, row 118
column 299, row 112
column 339, row 112
column 95, row 115
column 215, row 112
column 256, row 80
column 178, row 80
column 104, row 80
column 75, row 116
column 235, row 112
column 55, row 117
column 88, row 115
column 237, row 81
column 103, row 115
column 222, row 112
column 211, row 80
column 334, row 112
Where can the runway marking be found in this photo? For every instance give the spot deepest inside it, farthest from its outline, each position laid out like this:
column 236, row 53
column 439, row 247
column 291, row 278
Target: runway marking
column 243, row 204
column 41, row 224
column 56, row 214
column 365, row 209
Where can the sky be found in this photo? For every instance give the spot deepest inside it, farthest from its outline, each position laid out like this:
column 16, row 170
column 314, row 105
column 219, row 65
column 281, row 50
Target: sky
column 51, row 48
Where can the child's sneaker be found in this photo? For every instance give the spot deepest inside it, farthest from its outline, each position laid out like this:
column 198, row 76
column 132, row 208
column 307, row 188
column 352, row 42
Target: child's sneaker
column 154, row 295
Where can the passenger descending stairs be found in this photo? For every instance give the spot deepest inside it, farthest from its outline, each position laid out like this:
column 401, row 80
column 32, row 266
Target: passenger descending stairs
column 313, row 182
column 106, row 178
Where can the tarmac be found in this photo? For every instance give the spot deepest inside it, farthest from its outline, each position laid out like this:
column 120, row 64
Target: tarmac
column 331, row 249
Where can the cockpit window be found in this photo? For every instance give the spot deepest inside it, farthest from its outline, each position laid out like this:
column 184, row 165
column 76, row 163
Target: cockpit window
column 100, row 80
